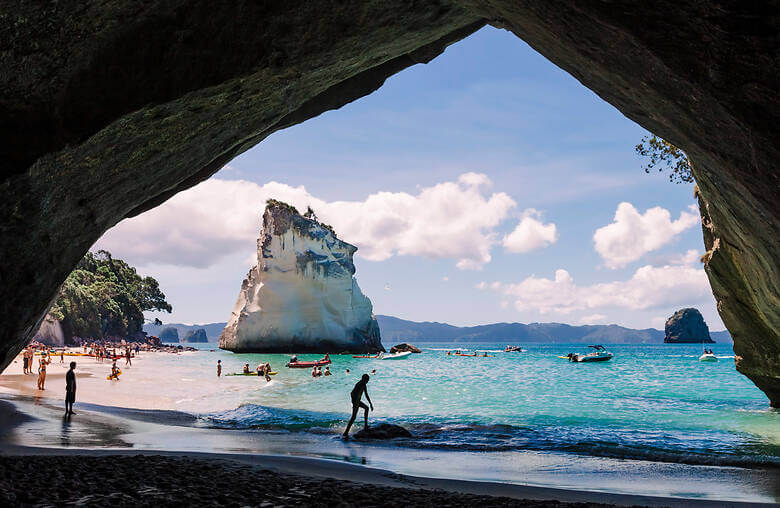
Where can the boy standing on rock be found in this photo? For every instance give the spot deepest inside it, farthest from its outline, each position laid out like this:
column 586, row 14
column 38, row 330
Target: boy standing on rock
column 357, row 395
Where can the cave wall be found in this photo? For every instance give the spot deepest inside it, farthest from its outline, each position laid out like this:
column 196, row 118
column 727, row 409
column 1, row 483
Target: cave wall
column 109, row 108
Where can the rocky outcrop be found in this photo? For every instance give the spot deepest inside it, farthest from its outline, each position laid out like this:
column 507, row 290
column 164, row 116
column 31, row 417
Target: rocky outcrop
column 198, row 335
column 50, row 332
column 403, row 347
column 110, row 108
column 687, row 326
column 302, row 295
column 169, row 334
column 382, row 431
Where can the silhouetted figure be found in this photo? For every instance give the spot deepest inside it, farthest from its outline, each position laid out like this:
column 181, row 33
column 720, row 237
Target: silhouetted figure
column 219, row 368
column 357, row 403
column 70, row 389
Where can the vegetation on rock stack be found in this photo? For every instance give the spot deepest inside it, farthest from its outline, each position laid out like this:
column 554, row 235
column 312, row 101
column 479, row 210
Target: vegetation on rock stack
column 106, row 297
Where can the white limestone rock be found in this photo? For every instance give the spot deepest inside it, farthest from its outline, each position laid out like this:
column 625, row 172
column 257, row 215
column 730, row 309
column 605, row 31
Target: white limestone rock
column 301, row 296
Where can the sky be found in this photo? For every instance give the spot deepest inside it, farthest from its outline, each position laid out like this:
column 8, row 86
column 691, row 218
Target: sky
column 485, row 186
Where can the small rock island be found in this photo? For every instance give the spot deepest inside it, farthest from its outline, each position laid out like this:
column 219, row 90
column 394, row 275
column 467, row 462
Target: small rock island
column 301, row 296
column 198, row 335
column 687, row 326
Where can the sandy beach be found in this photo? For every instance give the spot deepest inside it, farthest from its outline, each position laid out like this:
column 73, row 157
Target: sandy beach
column 130, row 441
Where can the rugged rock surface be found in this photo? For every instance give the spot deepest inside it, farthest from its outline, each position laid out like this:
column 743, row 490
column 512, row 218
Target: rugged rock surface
column 403, row 347
column 687, row 326
column 382, row 431
column 198, row 335
column 169, row 334
column 302, row 295
column 109, row 108
column 50, row 332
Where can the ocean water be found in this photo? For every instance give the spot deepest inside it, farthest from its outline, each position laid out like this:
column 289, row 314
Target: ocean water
column 651, row 402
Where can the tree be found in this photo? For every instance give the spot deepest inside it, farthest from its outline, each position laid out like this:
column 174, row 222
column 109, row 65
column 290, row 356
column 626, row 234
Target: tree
column 310, row 214
column 105, row 296
column 664, row 154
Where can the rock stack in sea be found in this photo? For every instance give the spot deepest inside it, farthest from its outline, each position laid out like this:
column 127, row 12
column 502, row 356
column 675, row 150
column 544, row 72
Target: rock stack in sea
column 302, row 295
column 198, row 335
column 169, row 334
column 687, row 326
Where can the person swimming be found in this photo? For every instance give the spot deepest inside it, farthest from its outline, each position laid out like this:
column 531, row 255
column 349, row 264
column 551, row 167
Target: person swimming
column 327, row 371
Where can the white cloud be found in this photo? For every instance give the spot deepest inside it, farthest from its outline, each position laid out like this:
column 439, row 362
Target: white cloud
column 530, row 233
column 593, row 319
column 631, row 234
column 649, row 287
column 451, row 220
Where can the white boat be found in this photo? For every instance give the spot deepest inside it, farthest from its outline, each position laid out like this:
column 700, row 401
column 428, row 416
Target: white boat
column 514, row 349
column 708, row 357
column 600, row 354
column 396, row 356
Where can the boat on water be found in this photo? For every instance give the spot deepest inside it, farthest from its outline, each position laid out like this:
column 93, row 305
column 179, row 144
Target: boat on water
column 708, row 357
column 294, row 363
column 599, row 354
column 396, row 356
column 514, row 349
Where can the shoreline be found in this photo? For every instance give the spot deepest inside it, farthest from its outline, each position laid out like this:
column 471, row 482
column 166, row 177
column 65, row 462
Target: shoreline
column 313, row 475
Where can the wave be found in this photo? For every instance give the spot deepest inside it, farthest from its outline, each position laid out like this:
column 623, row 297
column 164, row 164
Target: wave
column 579, row 438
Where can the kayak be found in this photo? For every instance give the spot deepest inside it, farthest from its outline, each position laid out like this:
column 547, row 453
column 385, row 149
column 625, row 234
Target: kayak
column 365, row 356
column 396, row 356
column 475, row 356
column 307, row 365
column 118, row 373
column 273, row 373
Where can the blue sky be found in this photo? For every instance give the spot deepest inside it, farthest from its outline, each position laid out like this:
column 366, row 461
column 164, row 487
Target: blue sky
column 489, row 105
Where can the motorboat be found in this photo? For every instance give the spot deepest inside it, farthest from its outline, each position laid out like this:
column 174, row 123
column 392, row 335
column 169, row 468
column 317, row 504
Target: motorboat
column 599, row 354
column 514, row 349
column 708, row 357
column 396, row 356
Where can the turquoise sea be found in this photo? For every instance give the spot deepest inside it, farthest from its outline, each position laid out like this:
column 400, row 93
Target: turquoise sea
column 651, row 402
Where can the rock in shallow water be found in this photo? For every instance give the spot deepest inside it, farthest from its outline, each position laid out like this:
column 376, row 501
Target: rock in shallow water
column 403, row 347
column 301, row 296
column 382, row 431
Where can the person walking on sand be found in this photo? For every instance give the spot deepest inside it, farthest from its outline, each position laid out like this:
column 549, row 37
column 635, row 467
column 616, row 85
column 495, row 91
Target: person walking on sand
column 219, row 368
column 62, row 356
column 127, row 358
column 24, row 362
column 70, row 389
column 357, row 403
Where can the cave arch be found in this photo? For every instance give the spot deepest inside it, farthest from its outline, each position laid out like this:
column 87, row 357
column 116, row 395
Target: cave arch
column 109, row 109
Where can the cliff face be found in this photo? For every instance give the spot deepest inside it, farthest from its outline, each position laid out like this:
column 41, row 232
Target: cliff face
column 50, row 332
column 687, row 326
column 110, row 108
column 301, row 296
